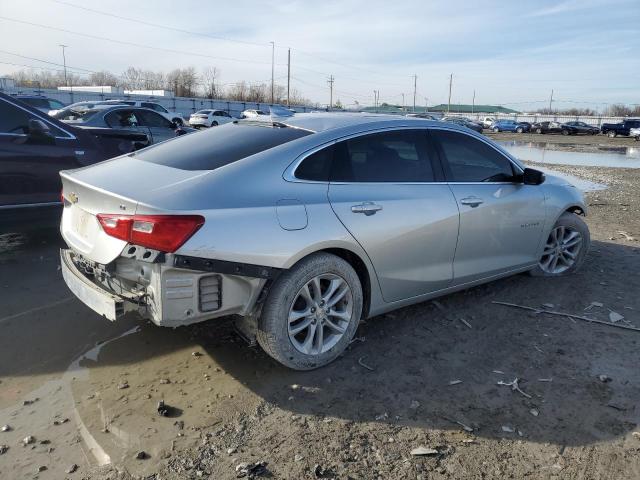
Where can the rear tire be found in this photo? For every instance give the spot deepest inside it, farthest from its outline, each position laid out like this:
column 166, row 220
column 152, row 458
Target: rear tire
column 570, row 236
column 214, row 124
column 496, row 130
column 539, row 131
column 284, row 329
column 519, row 130
column 566, row 132
column 612, row 134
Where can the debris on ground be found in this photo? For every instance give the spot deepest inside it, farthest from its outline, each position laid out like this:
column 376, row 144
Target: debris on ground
column 41, row 468
column 28, row 440
column 123, row 385
column 196, row 354
column 499, row 372
column 615, row 317
column 534, row 412
column 297, row 458
column 627, row 237
column 60, row 422
column 545, row 379
column 507, row 429
column 514, row 386
column 6, row 428
column 142, row 455
column 3, row 449
column 414, row 405
column 455, row 382
column 362, row 364
column 72, row 468
column 594, row 304
column 251, row 470
column 231, row 450
column 604, row 378
column 465, row 322
column 568, row 315
column 422, row 451
column 165, row 410
column 165, row 381
column 29, row 402
column 548, row 305
column 466, row 428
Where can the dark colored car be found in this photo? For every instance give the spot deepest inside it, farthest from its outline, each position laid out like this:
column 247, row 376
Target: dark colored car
column 42, row 103
column 123, row 117
column 464, row 122
column 623, row 128
column 546, row 127
column 579, row 128
column 34, row 147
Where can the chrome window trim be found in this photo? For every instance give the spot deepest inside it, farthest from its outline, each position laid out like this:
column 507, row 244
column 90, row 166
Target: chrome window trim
column 70, row 136
column 289, row 173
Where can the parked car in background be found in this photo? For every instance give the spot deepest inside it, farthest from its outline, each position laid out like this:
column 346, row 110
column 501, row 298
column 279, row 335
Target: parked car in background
column 464, row 122
column 546, row 127
column 635, row 133
column 510, row 126
column 34, row 147
column 487, row 122
column 143, row 120
column 209, row 118
column 156, row 107
column 299, row 227
column 578, row 128
column 624, row 128
column 42, row 103
column 251, row 113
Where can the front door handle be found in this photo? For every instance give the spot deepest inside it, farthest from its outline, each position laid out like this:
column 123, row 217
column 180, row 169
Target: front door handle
column 473, row 202
column 368, row 208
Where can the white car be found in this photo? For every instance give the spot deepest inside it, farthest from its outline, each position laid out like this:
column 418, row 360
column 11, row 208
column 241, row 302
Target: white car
column 251, row 113
column 487, row 122
column 209, row 118
column 174, row 117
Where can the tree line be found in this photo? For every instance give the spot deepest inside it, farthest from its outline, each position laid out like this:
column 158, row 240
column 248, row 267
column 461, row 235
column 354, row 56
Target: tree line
column 614, row 110
column 183, row 82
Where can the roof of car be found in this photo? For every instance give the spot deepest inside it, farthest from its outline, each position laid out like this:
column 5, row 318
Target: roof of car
column 320, row 122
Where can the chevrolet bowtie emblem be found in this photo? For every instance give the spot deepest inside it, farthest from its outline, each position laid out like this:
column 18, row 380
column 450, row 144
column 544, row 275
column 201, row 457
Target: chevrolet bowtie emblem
column 73, row 198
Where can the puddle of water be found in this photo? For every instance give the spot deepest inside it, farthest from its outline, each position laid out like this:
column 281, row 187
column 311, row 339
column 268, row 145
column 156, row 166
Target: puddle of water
column 574, row 154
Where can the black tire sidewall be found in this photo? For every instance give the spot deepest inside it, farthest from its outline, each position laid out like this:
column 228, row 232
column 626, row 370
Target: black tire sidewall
column 273, row 333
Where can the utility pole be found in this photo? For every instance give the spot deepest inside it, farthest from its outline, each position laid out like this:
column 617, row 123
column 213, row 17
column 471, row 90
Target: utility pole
column 450, row 82
column 375, row 100
column 330, row 82
column 415, row 83
column 64, row 62
column 550, row 102
column 403, row 102
column 473, row 102
column 273, row 59
column 288, row 74
column 426, row 104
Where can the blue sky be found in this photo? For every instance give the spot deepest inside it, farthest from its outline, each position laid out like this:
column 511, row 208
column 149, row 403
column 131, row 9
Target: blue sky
column 510, row 53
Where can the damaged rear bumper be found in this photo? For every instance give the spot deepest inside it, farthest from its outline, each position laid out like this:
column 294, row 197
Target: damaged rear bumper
column 171, row 292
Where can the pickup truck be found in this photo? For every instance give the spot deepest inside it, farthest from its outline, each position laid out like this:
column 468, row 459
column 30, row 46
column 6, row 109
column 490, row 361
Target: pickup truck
column 623, row 128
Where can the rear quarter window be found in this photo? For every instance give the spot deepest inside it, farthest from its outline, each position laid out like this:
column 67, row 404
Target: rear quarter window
column 219, row 146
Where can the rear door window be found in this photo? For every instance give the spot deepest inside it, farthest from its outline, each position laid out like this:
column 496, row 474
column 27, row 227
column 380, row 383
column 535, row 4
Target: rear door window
column 395, row 156
column 468, row 159
column 220, row 146
column 152, row 119
column 122, row 119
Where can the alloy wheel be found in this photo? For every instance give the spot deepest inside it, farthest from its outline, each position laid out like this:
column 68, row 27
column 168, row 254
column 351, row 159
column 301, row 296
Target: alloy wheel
column 320, row 314
column 561, row 250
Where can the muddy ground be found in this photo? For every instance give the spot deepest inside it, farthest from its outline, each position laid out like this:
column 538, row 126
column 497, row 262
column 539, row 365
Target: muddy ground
column 426, row 375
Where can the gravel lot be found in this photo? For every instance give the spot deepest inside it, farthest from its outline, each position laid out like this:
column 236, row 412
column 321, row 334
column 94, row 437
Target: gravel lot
column 424, row 376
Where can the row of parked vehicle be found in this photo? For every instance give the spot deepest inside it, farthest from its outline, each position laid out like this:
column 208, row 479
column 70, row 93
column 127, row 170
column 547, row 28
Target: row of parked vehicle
column 629, row 127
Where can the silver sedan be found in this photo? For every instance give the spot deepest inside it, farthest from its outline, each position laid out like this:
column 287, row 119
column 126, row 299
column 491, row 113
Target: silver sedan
column 303, row 226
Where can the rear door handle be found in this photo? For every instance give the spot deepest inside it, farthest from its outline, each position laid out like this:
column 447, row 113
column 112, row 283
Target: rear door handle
column 368, row 208
column 473, row 202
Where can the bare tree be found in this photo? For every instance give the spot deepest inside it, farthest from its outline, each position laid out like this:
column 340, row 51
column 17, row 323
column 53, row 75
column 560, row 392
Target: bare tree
column 210, row 76
column 103, row 78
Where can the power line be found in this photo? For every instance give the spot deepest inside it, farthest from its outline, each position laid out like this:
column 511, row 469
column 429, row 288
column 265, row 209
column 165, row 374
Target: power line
column 46, row 61
column 133, row 44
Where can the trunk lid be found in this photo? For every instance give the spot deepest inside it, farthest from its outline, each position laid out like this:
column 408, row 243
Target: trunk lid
column 104, row 189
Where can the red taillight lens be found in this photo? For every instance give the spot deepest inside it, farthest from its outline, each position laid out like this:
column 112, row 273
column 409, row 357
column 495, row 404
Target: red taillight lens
column 166, row 233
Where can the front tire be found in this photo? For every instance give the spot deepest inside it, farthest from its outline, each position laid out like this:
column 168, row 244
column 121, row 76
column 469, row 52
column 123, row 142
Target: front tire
column 539, row 131
column 565, row 249
column 311, row 313
column 496, row 130
column 565, row 132
column 519, row 130
column 214, row 124
column 612, row 134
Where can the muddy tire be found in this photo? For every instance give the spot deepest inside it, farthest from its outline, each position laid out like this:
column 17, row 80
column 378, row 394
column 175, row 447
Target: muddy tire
column 311, row 313
column 565, row 249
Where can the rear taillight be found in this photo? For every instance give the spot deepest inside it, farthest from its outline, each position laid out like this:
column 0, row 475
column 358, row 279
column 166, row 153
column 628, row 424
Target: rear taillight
column 166, row 233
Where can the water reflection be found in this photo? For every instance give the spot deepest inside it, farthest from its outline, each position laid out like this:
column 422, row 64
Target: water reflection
column 575, row 154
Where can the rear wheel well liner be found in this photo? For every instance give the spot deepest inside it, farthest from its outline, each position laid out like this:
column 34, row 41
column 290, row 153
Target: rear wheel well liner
column 577, row 209
column 361, row 269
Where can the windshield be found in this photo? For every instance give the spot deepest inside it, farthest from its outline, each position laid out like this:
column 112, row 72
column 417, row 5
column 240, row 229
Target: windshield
column 219, row 146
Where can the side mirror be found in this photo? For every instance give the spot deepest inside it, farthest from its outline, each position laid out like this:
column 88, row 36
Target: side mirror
column 39, row 132
column 532, row 176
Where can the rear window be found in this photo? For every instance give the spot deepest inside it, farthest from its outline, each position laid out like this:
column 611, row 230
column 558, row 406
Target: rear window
column 219, row 146
column 75, row 115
